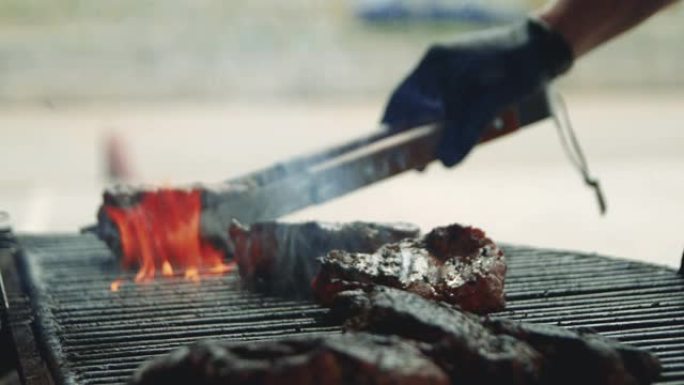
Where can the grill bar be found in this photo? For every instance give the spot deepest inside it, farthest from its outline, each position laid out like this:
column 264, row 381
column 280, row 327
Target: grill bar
column 130, row 352
column 94, row 336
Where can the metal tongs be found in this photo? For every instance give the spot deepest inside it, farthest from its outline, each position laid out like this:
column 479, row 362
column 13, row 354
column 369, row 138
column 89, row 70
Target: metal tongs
column 316, row 178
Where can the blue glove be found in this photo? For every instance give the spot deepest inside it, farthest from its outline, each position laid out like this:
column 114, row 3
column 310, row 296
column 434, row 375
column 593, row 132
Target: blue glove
column 466, row 84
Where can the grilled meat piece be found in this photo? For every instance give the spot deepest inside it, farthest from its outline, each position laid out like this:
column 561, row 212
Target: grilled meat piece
column 457, row 341
column 582, row 357
column 474, row 350
column 283, row 257
column 334, row 360
column 456, row 264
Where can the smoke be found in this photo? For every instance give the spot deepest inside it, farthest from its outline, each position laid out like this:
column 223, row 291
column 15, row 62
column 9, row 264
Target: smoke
column 283, row 259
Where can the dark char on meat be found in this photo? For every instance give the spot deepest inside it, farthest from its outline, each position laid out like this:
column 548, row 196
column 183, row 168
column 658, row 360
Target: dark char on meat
column 277, row 257
column 353, row 358
column 475, row 350
column 456, row 264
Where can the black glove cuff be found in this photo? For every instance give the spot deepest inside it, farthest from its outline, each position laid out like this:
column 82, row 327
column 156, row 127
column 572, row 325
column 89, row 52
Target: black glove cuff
column 556, row 52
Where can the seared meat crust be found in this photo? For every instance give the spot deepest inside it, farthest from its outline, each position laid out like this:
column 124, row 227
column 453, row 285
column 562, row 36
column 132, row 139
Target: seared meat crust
column 476, row 350
column 456, row 264
column 283, row 257
column 455, row 340
column 353, row 358
column 581, row 357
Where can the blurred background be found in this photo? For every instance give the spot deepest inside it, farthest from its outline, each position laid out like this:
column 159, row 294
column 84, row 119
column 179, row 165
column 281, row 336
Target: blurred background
column 178, row 91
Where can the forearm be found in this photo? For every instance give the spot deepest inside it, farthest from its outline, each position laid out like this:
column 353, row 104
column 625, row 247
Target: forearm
column 586, row 24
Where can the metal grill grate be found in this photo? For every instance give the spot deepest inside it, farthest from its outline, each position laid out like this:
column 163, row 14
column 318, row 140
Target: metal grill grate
column 93, row 336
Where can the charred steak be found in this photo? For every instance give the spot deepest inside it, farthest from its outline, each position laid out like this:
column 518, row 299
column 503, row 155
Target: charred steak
column 456, row 340
column 456, row 264
column 334, row 360
column 283, row 257
column 474, row 350
column 581, row 357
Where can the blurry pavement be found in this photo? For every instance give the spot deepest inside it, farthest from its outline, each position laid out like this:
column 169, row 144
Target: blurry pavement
column 520, row 189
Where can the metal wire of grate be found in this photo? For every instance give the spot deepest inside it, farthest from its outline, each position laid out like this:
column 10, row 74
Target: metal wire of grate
column 94, row 336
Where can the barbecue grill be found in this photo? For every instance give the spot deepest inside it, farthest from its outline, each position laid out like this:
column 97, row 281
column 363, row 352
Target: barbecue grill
column 69, row 328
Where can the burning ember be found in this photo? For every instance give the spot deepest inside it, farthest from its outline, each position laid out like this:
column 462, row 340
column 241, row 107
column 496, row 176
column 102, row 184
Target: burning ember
column 160, row 234
column 116, row 285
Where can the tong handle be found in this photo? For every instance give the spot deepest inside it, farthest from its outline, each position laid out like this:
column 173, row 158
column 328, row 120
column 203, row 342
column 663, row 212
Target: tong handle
column 532, row 109
column 317, row 178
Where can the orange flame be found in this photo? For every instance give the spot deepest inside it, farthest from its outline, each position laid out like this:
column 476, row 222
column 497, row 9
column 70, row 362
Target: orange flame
column 167, row 270
column 162, row 233
column 114, row 286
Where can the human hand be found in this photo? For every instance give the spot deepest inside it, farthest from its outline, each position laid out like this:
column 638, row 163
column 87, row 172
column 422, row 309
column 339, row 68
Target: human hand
column 466, row 84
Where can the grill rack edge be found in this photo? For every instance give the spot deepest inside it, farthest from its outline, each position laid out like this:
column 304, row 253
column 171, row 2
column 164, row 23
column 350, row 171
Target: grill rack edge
column 89, row 335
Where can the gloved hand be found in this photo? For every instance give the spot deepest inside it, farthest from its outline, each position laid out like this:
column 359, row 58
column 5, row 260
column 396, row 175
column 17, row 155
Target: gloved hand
column 466, row 84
